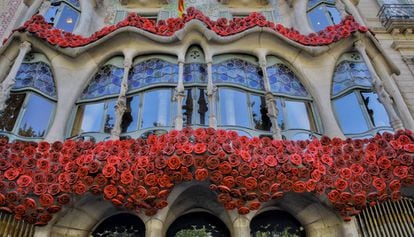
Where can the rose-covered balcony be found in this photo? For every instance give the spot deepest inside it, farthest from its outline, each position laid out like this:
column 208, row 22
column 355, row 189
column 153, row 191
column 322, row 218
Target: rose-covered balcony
column 397, row 17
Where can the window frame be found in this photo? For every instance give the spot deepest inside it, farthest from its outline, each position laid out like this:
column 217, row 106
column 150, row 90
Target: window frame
column 325, row 4
column 60, row 5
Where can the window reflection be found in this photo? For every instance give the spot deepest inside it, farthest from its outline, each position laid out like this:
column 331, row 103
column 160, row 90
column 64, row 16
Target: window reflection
column 259, row 113
column 299, row 115
column 349, row 114
column 156, row 110
column 36, row 117
column 233, row 108
column 9, row 116
column 130, row 118
column 375, row 109
column 89, row 118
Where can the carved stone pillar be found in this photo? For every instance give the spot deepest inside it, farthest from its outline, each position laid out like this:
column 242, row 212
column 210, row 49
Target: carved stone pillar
column 8, row 83
column 44, row 7
column 153, row 228
column 272, row 111
column 33, row 9
column 351, row 9
column 301, row 21
column 179, row 96
column 378, row 85
column 241, row 227
column 211, row 94
column 120, row 106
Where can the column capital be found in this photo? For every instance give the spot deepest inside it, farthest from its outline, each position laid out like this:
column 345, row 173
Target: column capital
column 25, row 45
column 359, row 45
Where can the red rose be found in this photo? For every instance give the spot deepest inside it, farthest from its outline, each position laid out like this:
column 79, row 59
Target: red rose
column 160, row 162
column 234, row 160
column 345, row 197
column 299, row 187
column 250, row 183
column 296, row 159
column 229, row 181
column 270, row 161
column 127, row 177
column 80, row 188
column 108, row 170
column 225, row 168
column 401, row 171
column 360, row 199
column 245, row 155
column 216, row 176
column 200, row 148
column 53, row 189
column 244, row 169
column 174, row 163
column 12, row 173
column 341, row 184
column 151, row 179
column 355, row 187
column 46, row 200
column 395, row 185
column 379, row 184
column 201, row 174
column 212, row 162
column 243, row 210
column 40, row 189
column 24, row 181
column 164, row 181
column 254, row 206
column 110, row 191
column 333, row 196
column 187, row 160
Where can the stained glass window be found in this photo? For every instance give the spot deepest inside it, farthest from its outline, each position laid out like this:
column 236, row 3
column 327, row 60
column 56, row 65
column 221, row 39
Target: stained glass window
column 284, row 81
column 350, row 74
column 152, row 71
column 35, row 75
column 357, row 107
column 107, row 81
column 195, row 73
column 239, row 72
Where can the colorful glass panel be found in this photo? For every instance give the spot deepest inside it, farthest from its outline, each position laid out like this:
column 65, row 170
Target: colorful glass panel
column 195, row 73
column 350, row 74
column 237, row 71
column 152, row 71
column 284, row 81
column 107, row 81
column 36, row 75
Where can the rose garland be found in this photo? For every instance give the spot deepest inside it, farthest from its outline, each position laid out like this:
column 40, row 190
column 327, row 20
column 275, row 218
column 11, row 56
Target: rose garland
column 38, row 179
column 223, row 27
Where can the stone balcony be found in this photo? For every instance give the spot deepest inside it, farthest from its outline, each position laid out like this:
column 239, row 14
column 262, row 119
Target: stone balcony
column 397, row 18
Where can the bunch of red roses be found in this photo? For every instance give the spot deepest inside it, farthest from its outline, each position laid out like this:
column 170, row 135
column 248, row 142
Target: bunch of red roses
column 223, row 27
column 38, row 179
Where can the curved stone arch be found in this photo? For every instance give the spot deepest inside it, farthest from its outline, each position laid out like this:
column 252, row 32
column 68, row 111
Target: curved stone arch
column 82, row 217
column 313, row 212
column 192, row 197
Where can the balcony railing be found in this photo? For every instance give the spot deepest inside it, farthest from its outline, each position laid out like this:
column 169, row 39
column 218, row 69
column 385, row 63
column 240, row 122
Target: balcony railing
column 397, row 16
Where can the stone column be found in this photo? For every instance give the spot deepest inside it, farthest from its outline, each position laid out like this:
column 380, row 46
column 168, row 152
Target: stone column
column 86, row 17
column 44, row 7
column 241, row 227
column 8, row 83
column 301, row 19
column 211, row 94
column 378, row 85
column 153, row 228
column 33, row 9
column 351, row 9
column 179, row 96
column 272, row 111
column 120, row 106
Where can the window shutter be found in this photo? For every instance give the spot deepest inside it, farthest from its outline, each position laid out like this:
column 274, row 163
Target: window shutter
column 120, row 15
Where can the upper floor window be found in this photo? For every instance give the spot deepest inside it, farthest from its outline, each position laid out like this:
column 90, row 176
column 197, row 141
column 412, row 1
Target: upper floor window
column 32, row 100
column 356, row 105
column 63, row 14
column 296, row 117
column 322, row 13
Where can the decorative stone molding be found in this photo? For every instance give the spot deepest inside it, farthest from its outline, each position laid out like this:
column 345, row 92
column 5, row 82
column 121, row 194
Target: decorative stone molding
column 378, row 85
column 179, row 96
column 8, row 83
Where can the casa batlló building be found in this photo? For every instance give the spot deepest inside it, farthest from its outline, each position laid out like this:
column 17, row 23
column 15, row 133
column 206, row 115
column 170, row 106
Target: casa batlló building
column 229, row 118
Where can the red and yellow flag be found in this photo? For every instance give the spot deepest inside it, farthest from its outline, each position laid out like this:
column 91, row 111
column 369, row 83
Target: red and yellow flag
column 180, row 8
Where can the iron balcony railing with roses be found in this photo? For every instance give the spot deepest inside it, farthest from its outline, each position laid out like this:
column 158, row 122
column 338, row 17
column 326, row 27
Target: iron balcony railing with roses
column 397, row 16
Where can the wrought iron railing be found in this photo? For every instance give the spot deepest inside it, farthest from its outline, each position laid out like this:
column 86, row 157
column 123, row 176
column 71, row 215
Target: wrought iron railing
column 397, row 16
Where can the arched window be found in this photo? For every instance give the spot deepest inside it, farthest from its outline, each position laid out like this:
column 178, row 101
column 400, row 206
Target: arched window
column 63, row 14
column 32, row 100
column 200, row 224
column 241, row 103
column 296, row 117
column 120, row 225
column 276, row 223
column 356, row 105
column 96, row 107
column 322, row 13
column 195, row 104
column 151, row 86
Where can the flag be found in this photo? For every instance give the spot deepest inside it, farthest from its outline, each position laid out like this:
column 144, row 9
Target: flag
column 180, row 8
